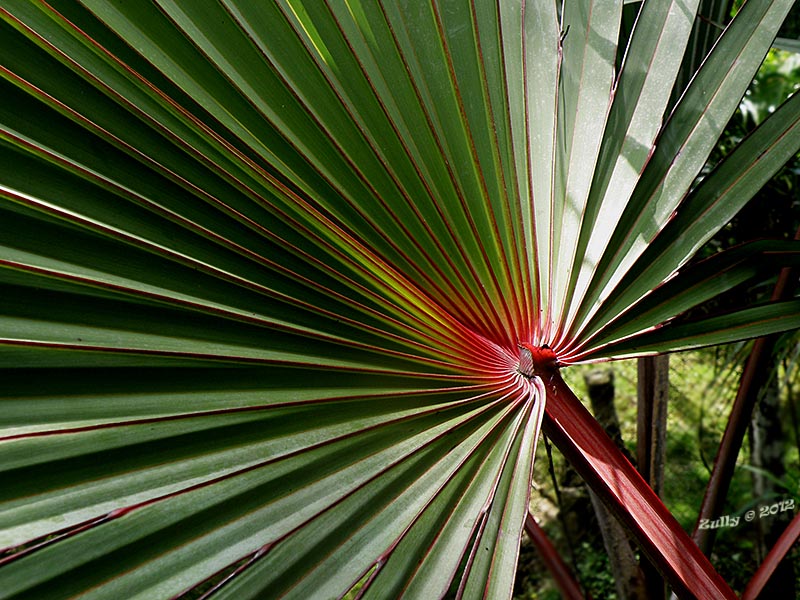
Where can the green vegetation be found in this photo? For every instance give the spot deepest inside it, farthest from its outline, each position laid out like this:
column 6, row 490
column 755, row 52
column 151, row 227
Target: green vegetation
column 287, row 287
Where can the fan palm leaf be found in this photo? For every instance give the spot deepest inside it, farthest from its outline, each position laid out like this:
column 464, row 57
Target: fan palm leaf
column 267, row 267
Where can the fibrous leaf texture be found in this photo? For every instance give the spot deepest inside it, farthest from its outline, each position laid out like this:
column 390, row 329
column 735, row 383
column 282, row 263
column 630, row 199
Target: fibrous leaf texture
column 267, row 268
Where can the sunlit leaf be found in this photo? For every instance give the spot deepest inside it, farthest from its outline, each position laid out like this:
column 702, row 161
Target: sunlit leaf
column 265, row 270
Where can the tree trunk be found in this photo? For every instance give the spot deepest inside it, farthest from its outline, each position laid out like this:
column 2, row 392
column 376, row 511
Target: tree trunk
column 651, row 432
column 628, row 577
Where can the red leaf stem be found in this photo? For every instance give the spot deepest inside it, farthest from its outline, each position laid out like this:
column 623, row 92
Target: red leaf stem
column 612, row 477
column 789, row 536
column 562, row 576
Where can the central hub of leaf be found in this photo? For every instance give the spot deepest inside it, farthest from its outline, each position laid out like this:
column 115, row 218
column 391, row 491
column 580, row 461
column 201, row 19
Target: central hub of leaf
column 536, row 360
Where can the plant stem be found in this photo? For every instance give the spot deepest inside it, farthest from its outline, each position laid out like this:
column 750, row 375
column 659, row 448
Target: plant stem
column 612, row 477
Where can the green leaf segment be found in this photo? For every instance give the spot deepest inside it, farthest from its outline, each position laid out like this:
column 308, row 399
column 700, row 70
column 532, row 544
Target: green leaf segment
column 266, row 267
